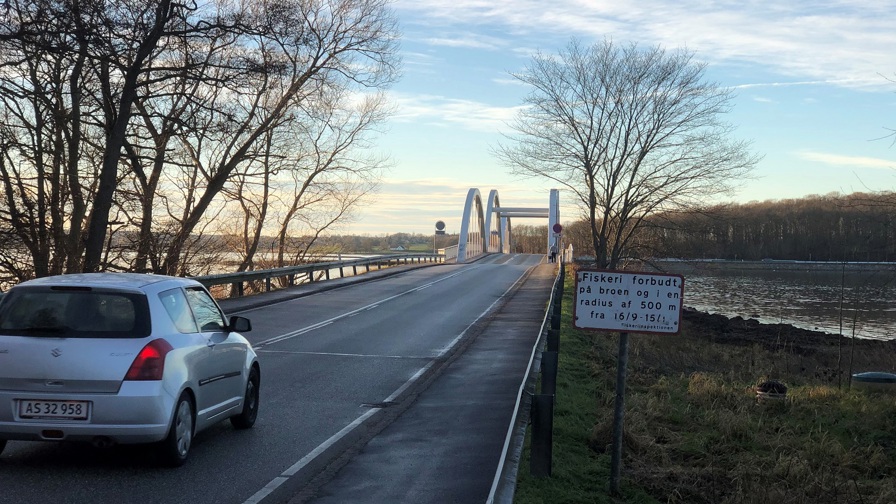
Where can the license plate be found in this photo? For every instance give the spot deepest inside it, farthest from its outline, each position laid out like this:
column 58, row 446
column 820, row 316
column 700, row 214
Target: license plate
column 66, row 410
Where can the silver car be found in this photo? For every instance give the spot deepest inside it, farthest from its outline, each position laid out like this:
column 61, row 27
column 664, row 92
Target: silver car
column 122, row 358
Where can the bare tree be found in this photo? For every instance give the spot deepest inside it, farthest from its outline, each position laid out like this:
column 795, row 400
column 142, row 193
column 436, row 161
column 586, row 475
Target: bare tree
column 304, row 49
column 629, row 132
column 72, row 73
column 334, row 174
column 121, row 124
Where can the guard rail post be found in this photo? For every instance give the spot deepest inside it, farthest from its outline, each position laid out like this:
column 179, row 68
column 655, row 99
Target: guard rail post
column 553, row 341
column 549, row 373
column 541, row 453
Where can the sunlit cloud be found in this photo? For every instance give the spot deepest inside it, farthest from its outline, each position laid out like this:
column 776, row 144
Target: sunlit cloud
column 847, row 82
column 848, row 161
column 439, row 110
column 842, row 43
column 468, row 40
column 509, row 82
column 418, row 59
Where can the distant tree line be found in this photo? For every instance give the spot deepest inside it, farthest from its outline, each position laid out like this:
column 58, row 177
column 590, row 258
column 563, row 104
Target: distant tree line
column 833, row 227
column 855, row 227
column 529, row 239
column 377, row 244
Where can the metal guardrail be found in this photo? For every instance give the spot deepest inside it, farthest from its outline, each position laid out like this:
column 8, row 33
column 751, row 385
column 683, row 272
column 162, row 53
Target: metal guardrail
column 295, row 275
column 504, row 484
column 311, row 272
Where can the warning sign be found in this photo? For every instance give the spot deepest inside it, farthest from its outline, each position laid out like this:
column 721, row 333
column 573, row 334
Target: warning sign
column 628, row 301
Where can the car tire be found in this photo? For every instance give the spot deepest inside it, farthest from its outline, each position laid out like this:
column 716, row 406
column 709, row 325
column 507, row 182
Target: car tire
column 246, row 418
column 175, row 448
column 2, row 445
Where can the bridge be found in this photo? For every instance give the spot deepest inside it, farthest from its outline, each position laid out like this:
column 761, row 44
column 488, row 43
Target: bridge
column 494, row 221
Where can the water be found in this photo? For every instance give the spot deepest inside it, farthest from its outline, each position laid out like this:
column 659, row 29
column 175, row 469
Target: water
column 808, row 299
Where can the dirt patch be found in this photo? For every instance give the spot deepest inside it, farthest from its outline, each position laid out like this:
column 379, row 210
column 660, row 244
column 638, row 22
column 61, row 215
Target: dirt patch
column 813, row 354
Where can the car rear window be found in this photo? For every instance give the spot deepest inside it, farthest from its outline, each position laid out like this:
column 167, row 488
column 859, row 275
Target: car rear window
column 74, row 312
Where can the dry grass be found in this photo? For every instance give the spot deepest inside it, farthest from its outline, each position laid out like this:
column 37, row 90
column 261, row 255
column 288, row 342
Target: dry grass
column 695, row 431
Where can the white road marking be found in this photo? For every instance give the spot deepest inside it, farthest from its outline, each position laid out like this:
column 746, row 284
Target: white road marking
column 304, row 461
column 338, row 354
column 307, row 459
column 303, row 330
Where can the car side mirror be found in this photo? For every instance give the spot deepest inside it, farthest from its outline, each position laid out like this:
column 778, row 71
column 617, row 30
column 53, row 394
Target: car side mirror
column 239, row 324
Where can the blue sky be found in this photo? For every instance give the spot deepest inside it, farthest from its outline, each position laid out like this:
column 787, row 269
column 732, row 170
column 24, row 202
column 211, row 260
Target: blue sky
column 815, row 85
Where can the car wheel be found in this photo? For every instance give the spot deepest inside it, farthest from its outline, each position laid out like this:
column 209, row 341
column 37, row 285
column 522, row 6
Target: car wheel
column 246, row 418
column 175, row 448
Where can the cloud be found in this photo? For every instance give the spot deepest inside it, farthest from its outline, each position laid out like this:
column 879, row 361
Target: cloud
column 835, row 41
column 846, row 82
column 848, row 161
column 468, row 40
column 442, row 111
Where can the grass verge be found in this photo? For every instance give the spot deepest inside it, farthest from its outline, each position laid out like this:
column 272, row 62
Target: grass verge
column 695, row 432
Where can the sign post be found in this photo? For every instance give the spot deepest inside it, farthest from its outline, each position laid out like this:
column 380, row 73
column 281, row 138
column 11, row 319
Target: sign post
column 440, row 230
column 611, row 300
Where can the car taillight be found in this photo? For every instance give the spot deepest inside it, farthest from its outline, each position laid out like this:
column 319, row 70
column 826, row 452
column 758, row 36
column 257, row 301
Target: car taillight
column 150, row 362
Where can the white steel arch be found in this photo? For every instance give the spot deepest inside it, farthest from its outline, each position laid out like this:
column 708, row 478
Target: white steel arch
column 497, row 237
column 476, row 234
column 469, row 245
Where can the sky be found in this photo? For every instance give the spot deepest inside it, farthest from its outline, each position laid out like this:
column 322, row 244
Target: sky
column 814, row 84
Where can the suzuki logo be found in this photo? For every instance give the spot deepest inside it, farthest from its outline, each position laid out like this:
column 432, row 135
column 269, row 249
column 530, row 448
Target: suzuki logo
column 56, row 352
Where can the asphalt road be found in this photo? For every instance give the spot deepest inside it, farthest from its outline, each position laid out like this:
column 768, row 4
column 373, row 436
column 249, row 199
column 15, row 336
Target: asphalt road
column 347, row 375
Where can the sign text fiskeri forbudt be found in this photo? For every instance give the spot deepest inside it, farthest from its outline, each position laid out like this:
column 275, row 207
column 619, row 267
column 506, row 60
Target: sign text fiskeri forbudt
column 628, row 301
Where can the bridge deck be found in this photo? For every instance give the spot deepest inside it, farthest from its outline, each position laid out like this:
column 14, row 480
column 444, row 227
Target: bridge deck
column 446, row 444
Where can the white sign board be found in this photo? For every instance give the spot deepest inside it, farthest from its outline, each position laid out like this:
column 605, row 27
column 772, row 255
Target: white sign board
column 628, row 301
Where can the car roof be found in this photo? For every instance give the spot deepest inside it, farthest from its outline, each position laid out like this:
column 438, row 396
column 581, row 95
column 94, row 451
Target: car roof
column 136, row 281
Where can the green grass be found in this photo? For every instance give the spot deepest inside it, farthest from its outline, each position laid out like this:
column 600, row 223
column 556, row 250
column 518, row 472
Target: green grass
column 695, row 432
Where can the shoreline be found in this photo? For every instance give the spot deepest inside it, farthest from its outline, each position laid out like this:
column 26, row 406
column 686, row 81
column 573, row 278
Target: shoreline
column 821, row 350
column 694, row 265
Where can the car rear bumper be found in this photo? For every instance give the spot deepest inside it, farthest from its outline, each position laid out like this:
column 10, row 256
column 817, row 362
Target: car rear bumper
column 139, row 413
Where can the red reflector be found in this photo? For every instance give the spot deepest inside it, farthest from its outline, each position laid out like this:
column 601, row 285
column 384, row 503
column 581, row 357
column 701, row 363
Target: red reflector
column 150, row 362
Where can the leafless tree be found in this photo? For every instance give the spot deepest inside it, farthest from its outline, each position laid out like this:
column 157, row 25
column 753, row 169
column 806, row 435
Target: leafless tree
column 629, row 132
column 305, row 49
column 121, row 124
column 529, row 239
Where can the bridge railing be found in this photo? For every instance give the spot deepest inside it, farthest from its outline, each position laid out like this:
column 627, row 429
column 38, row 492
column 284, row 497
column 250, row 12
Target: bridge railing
column 265, row 280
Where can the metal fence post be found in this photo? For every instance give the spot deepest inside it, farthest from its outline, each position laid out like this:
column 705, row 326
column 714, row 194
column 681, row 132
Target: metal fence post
column 542, row 435
column 553, row 341
column 549, row 373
